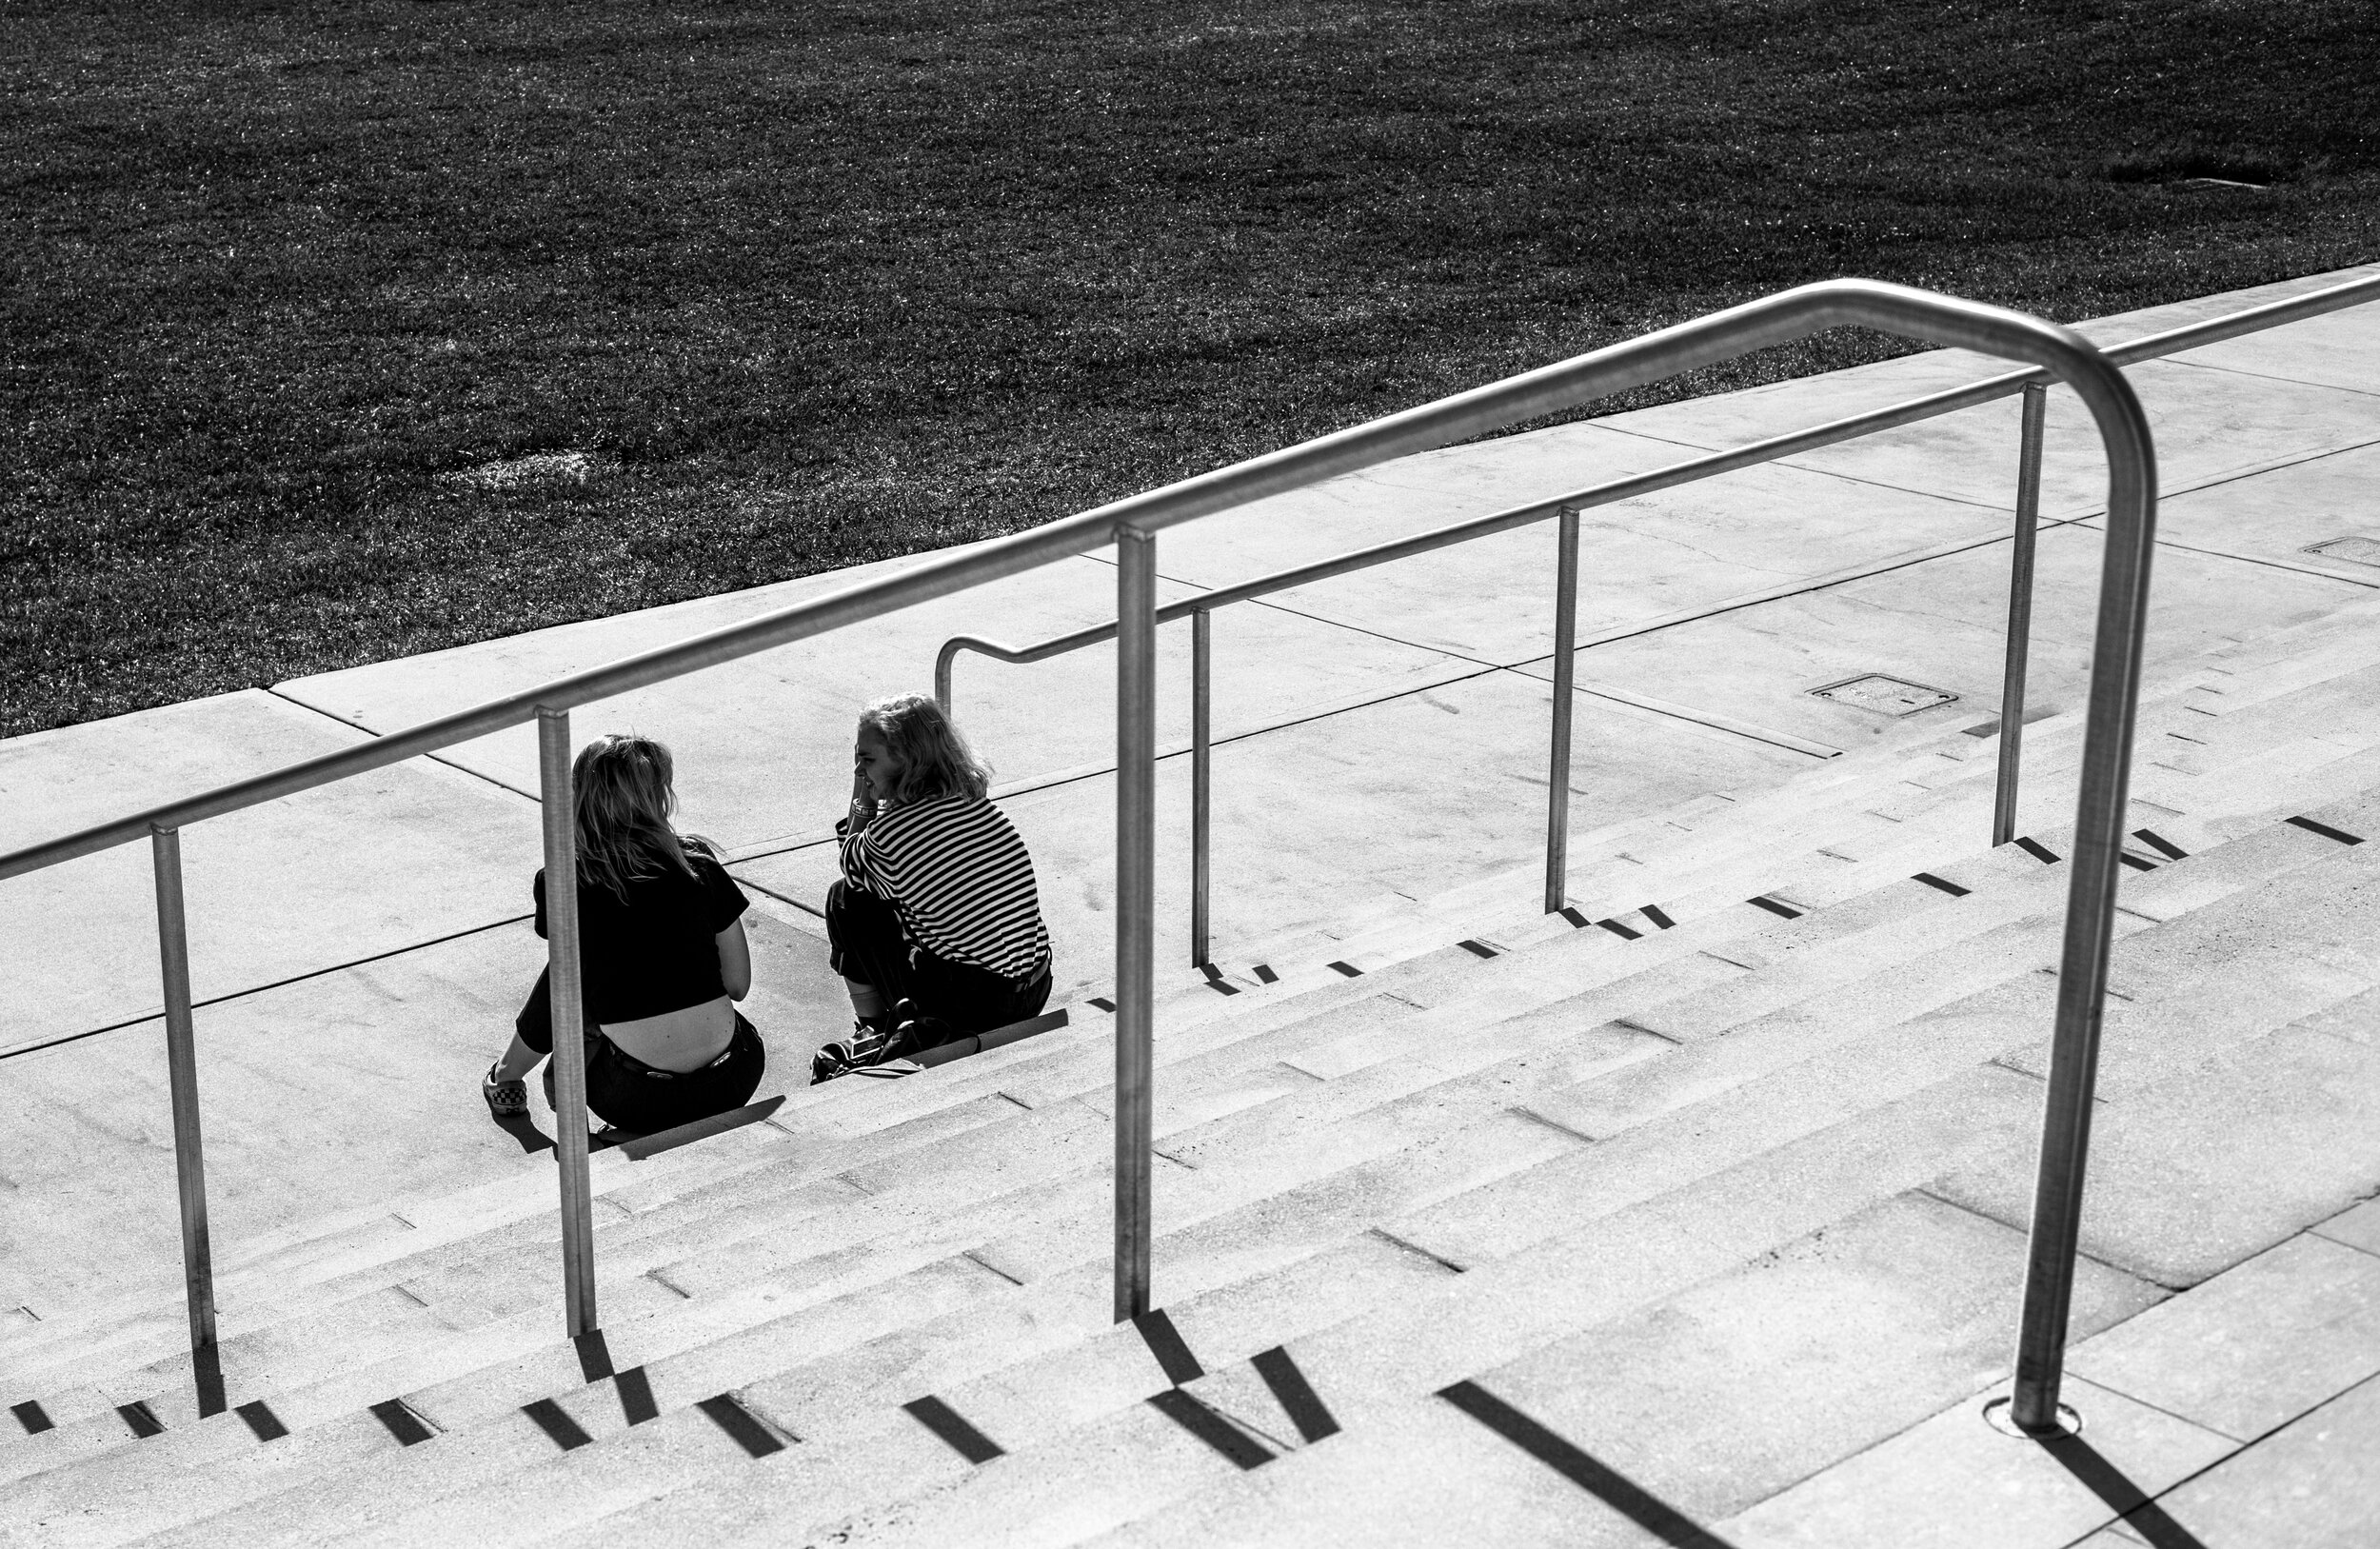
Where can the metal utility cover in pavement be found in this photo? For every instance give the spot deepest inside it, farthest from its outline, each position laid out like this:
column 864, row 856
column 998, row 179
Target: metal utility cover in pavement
column 1885, row 696
column 2354, row 550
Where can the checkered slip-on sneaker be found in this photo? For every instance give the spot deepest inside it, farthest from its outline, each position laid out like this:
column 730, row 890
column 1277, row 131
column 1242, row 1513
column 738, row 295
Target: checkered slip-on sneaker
column 505, row 1099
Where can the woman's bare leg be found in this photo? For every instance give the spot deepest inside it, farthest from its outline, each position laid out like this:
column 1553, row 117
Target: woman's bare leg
column 518, row 1062
column 867, row 1001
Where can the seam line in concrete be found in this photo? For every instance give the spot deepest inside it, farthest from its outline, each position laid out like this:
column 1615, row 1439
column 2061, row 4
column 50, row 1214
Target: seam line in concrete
column 434, row 757
column 2261, row 376
column 1798, row 465
column 1796, row 589
column 2071, row 1370
column 2080, row 1256
column 2317, row 1231
column 2090, row 523
column 1415, row 1249
column 2254, row 1440
column 1082, row 772
column 786, row 898
column 259, row 989
column 1524, row 1111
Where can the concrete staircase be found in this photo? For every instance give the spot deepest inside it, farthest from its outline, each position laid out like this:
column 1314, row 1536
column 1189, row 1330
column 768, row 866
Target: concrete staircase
column 1715, row 1181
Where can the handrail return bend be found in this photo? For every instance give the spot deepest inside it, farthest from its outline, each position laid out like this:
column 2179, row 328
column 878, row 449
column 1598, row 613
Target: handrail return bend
column 1132, row 524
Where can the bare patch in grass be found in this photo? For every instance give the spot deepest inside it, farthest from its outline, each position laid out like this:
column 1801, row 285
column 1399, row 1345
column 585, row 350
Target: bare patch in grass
column 537, row 470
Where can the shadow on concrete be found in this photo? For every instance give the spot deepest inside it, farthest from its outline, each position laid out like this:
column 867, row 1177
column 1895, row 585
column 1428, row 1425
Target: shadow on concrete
column 1607, row 1485
column 1212, row 1427
column 207, row 1375
column 524, row 1129
column 640, row 1147
column 638, row 1144
column 2126, row 1500
column 1172, row 1352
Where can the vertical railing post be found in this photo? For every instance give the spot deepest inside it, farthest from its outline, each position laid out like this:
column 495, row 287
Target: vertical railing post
column 2116, row 650
column 1201, row 696
column 1557, row 772
column 569, row 1018
column 1136, row 908
column 189, row 1160
column 2019, row 614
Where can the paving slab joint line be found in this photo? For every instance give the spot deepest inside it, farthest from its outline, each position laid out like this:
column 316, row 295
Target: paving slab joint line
column 2263, row 376
column 229, row 996
column 2257, row 1440
column 1394, row 1240
column 274, row 689
column 2111, row 1268
column 1524, row 1111
column 1794, row 462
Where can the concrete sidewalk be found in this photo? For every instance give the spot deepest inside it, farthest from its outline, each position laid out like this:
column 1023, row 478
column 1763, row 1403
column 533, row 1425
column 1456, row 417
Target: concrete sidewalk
column 1381, row 739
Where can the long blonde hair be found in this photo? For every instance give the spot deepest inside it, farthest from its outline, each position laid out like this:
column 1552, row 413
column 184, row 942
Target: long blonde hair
column 935, row 759
column 624, row 801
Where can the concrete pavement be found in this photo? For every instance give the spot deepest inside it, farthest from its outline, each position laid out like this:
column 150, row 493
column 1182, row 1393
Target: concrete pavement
column 1385, row 736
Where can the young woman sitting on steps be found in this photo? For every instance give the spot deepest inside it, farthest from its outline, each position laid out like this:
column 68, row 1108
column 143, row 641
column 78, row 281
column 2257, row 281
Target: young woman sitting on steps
column 663, row 958
column 935, row 925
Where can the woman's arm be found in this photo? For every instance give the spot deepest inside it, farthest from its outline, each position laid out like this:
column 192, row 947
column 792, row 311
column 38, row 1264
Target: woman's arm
column 735, row 962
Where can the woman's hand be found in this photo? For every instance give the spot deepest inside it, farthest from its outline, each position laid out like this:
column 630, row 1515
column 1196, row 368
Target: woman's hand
column 863, row 799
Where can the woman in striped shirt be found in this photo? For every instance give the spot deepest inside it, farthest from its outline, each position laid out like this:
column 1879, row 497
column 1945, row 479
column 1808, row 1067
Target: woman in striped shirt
column 936, row 923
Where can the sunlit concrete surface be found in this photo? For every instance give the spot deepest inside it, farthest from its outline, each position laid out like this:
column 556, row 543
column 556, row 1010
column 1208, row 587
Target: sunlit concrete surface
column 1730, row 1203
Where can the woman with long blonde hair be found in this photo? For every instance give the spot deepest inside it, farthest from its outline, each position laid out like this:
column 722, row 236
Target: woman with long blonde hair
column 936, row 923
column 663, row 958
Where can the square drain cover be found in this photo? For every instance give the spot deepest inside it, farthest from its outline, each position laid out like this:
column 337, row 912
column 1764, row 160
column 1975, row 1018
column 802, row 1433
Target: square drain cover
column 2354, row 550
column 1885, row 696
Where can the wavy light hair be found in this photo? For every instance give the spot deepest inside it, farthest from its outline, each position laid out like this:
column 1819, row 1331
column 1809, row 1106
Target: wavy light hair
column 935, row 759
column 624, row 801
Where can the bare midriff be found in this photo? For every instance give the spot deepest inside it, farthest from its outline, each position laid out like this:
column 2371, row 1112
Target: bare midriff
column 681, row 1041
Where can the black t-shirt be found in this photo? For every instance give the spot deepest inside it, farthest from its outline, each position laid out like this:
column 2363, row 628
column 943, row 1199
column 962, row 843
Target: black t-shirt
column 656, row 950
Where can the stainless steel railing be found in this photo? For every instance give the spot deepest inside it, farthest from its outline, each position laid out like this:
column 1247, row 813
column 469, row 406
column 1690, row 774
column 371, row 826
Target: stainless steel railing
column 1132, row 524
column 2034, row 384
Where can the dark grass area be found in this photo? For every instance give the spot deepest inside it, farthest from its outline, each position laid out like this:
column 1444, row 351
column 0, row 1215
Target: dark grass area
column 828, row 283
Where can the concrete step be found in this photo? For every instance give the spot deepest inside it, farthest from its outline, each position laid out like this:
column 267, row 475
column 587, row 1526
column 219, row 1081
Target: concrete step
column 484, row 1398
column 1363, row 1368
column 2054, row 748
column 255, row 1325
column 2178, row 871
column 2294, row 832
column 737, row 1497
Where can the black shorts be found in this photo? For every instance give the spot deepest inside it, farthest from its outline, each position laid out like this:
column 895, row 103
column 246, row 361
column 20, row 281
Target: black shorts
column 629, row 1094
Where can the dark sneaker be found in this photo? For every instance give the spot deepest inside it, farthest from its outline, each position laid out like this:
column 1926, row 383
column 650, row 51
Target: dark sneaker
column 505, row 1099
column 865, row 1047
column 913, row 1032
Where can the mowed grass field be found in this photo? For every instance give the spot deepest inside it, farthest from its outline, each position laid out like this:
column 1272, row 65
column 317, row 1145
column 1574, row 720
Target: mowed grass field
column 817, row 284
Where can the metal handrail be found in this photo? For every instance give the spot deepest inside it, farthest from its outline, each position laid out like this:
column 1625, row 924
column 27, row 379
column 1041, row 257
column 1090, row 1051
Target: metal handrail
column 2034, row 384
column 1131, row 524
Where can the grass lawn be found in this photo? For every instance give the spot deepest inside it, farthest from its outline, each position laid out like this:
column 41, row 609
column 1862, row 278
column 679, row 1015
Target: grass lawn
column 823, row 283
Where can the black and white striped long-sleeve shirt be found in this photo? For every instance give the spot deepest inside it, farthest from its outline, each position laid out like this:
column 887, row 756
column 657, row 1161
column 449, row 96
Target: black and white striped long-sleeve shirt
column 958, row 874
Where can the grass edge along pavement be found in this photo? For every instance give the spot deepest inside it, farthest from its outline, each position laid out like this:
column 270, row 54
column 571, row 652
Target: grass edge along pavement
column 773, row 296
